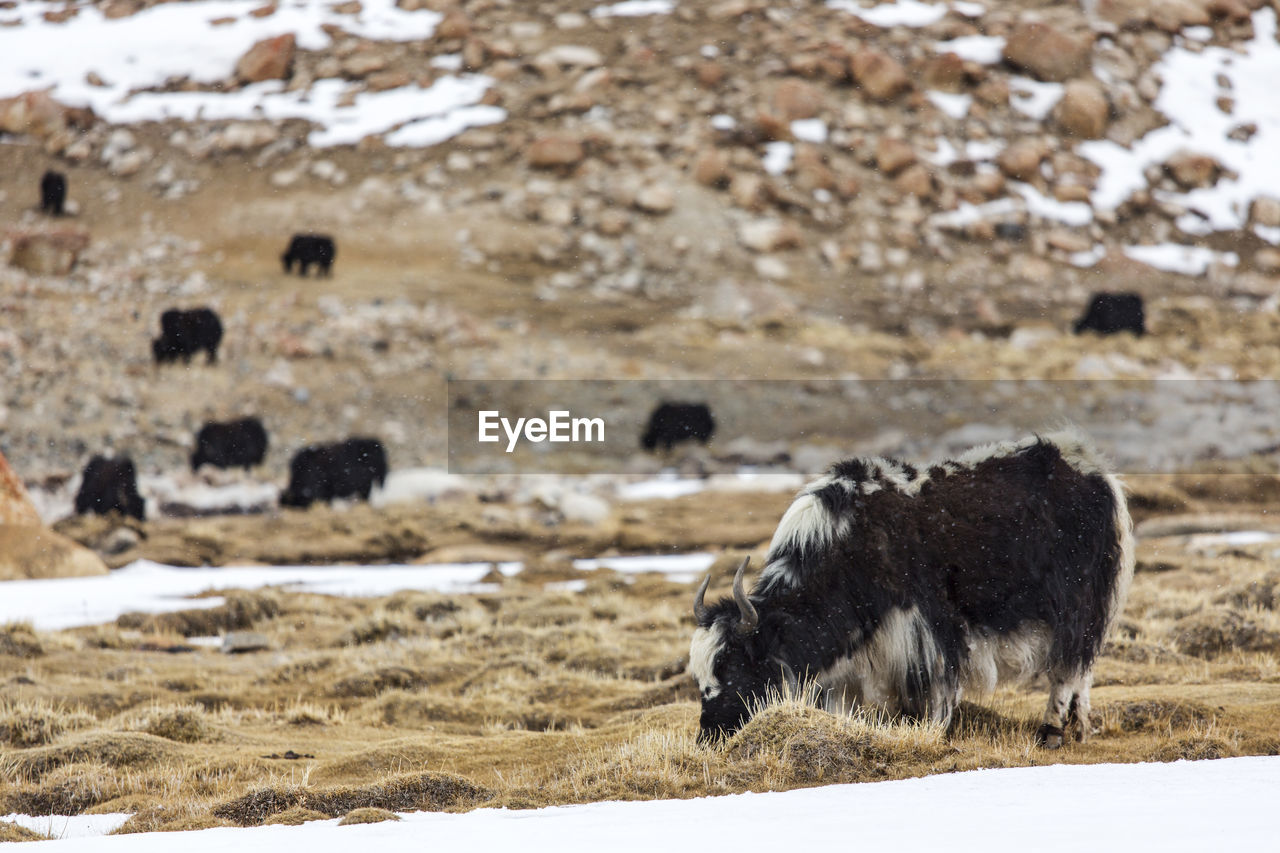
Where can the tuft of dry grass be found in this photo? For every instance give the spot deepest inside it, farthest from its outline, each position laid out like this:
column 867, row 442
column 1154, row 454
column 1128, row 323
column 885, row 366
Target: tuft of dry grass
column 405, row 792
column 240, row 612
column 367, row 815
column 10, row 831
column 181, row 723
column 25, row 724
column 66, row 790
column 294, row 816
column 18, row 639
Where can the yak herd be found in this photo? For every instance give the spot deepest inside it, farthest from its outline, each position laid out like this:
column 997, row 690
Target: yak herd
column 352, row 467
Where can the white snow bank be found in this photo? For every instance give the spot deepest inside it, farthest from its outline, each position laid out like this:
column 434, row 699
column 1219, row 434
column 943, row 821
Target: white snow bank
column 176, row 40
column 1188, row 98
column 144, row 586
column 985, row 50
column 73, row 826
column 1184, row 806
column 903, row 13
column 1174, row 257
column 633, row 9
column 681, row 568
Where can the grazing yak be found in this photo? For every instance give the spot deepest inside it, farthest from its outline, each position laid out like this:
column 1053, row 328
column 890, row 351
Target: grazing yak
column 1110, row 313
column 234, row 444
column 185, row 333
column 308, row 249
column 53, row 193
column 323, row 472
column 903, row 589
column 672, row 423
column 110, row 485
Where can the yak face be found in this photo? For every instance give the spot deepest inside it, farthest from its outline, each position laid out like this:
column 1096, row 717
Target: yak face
column 735, row 659
column 732, row 678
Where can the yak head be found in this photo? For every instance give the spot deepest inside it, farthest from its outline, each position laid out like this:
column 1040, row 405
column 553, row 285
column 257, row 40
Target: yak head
column 735, row 659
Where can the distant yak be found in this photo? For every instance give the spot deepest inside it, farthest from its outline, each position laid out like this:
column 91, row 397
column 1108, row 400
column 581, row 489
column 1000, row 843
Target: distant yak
column 234, row 444
column 307, row 249
column 345, row 469
column 672, row 423
column 53, row 193
column 185, row 333
column 109, row 485
column 1110, row 313
column 903, row 589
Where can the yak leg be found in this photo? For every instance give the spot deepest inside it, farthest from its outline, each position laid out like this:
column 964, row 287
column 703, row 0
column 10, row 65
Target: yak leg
column 1068, row 700
column 1078, row 713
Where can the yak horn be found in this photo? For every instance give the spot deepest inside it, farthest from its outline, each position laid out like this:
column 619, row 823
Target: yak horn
column 700, row 611
column 750, row 618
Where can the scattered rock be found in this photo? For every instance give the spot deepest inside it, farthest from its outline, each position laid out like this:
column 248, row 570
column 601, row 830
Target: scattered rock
column 769, row 235
column 40, row 115
column 555, row 152
column 915, row 180
column 711, row 168
column 269, row 59
column 1267, row 260
column 1083, row 110
column 796, row 99
column 240, row 642
column 1046, row 52
column 52, row 252
column 945, row 73
column 893, row 155
column 879, row 75
column 29, row 551
column 1021, row 160
column 454, row 25
column 15, row 503
column 1192, row 170
column 1265, row 211
column 656, row 198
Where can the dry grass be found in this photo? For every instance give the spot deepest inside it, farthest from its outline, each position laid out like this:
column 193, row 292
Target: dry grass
column 526, row 697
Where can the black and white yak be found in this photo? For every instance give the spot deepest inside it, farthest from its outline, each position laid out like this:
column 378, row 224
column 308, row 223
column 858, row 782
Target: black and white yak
column 903, row 589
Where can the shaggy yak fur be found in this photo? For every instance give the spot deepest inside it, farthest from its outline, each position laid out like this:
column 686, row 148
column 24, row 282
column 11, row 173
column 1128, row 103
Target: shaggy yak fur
column 903, row 589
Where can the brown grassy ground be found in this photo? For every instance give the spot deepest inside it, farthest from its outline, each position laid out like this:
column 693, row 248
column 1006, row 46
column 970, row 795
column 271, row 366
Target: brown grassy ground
column 532, row 696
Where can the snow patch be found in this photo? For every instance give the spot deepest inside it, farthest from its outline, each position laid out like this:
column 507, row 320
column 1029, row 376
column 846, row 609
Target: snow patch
column 1176, row 258
column 903, row 13
column 985, row 50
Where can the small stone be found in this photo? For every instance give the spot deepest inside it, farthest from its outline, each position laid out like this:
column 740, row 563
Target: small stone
column 796, row 99
column 769, row 235
column 710, row 74
column 770, row 267
column 1067, row 241
column 1046, row 52
column 361, row 64
column 1083, row 110
column 269, row 59
column 1192, row 170
column 48, row 252
column 240, row 642
column 657, row 199
column 893, row 155
column 555, row 152
column 915, row 180
column 711, row 168
column 613, row 222
column 747, row 190
column 1265, row 210
column 944, row 73
column 454, row 25
column 1022, row 159
column 1267, row 260
column 557, row 211
column 879, row 75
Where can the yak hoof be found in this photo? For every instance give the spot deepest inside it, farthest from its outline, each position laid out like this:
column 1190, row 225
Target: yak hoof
column 1050, row 737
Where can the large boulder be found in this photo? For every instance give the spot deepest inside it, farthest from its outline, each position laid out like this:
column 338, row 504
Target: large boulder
column 269, row 59
column 40, row 115
column 1083, row 110
column 15, row 504
column 30, row 551
column 1046, row 52
column 48, row 252
column 879, row 75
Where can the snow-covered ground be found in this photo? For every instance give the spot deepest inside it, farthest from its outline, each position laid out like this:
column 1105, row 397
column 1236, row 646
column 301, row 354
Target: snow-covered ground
column 105, row 63
column 1184, row 806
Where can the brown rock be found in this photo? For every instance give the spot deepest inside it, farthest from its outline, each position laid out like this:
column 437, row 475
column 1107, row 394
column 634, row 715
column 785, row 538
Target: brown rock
column 555, row 152
column 15, row 504
column 1068, row 241
column 1070, row 191
column 1046, row 52
column 1265, row 210
column 944, row 73
column 796, row 99
column 988, row 184
column 710, row 74
column 29, row 551
column 48, row 252
column 915, row 180
column 893, row 155
column 35, row 113
column 384, row 80
column 360, row 65
column 263, row 11
column 880, row 76
column 1083, row 110
column 656, row 198
column 993, row 91
column 269, row 59
column 1021, row 160
column 711, row 168
column 1231, row 10
column 811, row 170
column 1267, row 260
column 769, row 235
column 454, row 25
column 772, row 128
column 1193, row 170
column 747, row 190
column 1172, row 15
